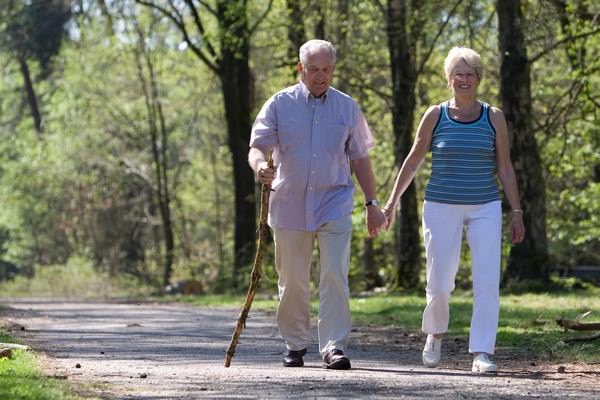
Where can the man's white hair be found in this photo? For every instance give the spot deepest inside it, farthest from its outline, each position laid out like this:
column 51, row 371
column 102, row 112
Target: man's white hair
column 314, row 46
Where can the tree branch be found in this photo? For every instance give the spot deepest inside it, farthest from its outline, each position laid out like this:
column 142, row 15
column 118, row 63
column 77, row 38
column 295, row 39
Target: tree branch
column 209, row 8
column 132, row 169
column 178, row 21
column 439, row 33
column 583, row 338
column 556, row 112
column 560, row 42
column 200, row 27
column 260, row 19
column 387, row 97
column 381, row 7
column 588, row 94
column 578, row 326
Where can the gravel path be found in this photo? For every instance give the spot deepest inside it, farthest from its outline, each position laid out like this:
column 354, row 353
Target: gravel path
column 158, row 351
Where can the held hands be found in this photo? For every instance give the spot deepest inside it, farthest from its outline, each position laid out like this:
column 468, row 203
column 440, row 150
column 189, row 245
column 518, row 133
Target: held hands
column 264, row 173
column 389, row 213
column 376, row 220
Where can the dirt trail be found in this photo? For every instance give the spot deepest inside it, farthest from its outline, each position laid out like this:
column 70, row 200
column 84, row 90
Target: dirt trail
column 157, row 351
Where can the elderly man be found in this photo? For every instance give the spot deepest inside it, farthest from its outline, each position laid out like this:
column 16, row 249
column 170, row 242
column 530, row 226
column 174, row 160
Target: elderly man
column 318, row 136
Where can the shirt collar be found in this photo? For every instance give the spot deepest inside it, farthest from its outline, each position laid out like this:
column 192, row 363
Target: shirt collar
column 306, row 94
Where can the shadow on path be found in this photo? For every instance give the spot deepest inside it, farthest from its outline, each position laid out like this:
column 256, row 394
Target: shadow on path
column 158, row 351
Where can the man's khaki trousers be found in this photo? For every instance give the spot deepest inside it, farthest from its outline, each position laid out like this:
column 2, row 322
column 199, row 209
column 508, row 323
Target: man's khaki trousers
column 293, row 253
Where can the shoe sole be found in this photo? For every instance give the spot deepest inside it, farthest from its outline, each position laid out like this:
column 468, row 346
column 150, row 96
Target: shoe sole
column 340, row 364
column 293, row 365
column 478, row 370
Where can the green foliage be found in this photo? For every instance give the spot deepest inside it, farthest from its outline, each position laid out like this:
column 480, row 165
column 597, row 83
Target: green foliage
column 86, row 188
column 32, row 204
column 35, row 30
column 76, row 279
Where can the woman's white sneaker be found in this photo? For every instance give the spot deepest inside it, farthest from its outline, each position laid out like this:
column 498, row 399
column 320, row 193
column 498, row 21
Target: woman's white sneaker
column 432, row 352
column 483, row 365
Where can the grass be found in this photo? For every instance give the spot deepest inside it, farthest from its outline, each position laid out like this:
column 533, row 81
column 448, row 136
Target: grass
column 76, row 279
column 21, row 378
column 527, row 321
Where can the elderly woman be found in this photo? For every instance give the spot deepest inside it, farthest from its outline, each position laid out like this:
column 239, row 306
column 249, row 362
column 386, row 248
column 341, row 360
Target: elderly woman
column 469, row 143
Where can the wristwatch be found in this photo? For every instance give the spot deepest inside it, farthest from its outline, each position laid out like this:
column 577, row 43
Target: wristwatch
column 373, row 202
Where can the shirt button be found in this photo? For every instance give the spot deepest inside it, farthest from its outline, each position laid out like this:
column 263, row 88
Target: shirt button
column 316, row 122
column 314, row 155
column 312, row 172
column 310, row 188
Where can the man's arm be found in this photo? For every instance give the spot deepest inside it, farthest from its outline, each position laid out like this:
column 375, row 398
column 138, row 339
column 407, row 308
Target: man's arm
column 263, row 139
column 257, row 161
column 376, row 220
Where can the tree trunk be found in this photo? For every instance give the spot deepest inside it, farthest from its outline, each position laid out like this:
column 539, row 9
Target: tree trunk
column 319, row 27
column 296, row 32
column 237, row 84
column 164, row 195
column 408, row 250
column 31, row 98
column 159, row 142
column 218, row 224
column 231, row 64
column 106, row 14
column 370, row 269
column 528, row 260
column 340, row 34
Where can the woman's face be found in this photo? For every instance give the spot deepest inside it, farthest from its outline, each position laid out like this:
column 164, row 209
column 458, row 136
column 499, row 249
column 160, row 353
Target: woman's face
column 463, row 79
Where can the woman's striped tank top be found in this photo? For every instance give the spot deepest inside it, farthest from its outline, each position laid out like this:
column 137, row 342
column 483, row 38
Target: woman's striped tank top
column 463, row 169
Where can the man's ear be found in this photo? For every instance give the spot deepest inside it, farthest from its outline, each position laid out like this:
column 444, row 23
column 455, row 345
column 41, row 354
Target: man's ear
column 300, row 68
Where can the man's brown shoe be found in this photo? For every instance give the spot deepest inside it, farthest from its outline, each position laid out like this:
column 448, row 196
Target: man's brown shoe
column 293, row 358
column 336, row 359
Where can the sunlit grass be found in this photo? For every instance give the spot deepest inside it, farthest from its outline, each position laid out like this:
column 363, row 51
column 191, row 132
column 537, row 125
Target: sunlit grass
column 20, row 378
column 402, row 311
column 529, row 321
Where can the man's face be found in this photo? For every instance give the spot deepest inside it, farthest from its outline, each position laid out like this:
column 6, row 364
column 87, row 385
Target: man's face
column 318, row 72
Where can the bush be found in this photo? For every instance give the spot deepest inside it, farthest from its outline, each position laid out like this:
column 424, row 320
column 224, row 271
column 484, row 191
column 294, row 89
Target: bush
column 76, row 279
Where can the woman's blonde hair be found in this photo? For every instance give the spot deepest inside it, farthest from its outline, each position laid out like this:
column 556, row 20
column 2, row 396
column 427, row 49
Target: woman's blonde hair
column 470, row 56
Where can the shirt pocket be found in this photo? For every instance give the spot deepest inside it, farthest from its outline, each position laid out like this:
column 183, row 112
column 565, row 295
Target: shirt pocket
column 334, row 138
column 289, row 133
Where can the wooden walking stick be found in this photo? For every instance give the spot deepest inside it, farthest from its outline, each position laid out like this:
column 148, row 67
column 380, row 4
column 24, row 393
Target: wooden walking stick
column 256, row 269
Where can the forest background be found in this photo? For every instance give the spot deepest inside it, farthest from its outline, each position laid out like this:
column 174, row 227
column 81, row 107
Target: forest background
column 125, row 125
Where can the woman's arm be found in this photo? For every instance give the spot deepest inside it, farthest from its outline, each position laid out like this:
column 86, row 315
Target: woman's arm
column 506, row 173
column 414, row 159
